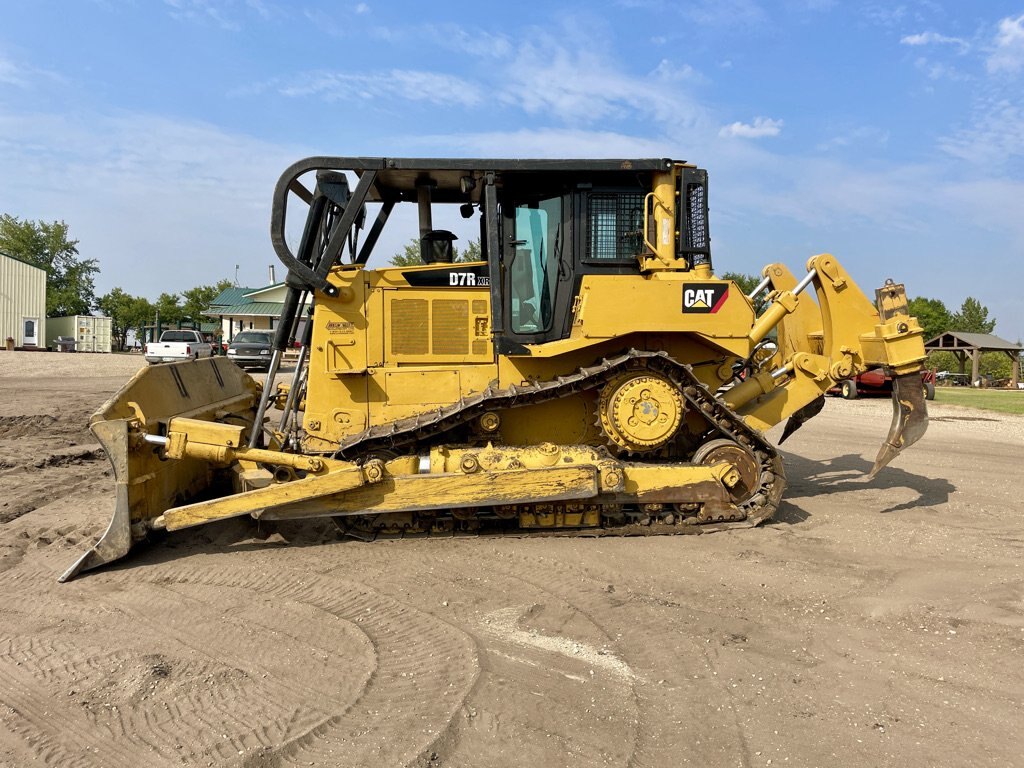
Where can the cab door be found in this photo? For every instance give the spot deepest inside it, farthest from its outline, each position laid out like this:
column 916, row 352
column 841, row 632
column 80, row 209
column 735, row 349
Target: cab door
column 538, row 268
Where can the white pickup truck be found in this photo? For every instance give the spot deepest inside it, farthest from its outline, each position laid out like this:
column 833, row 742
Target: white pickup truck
column 178, row 345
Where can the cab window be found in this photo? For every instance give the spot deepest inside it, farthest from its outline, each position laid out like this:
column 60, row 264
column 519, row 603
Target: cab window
column 533, row 274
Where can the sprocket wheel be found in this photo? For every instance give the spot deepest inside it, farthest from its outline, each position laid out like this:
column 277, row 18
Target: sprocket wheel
column 640, row 411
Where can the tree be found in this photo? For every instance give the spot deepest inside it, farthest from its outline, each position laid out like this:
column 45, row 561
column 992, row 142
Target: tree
column 932, row 314
column 472, row 252
column 197, row 300
column 747, row 284
column 141, row 313
column 127, row 314
column 117, row 306
column 410, row 255
column 169, row 307
column 972, row 318
column 70, row 287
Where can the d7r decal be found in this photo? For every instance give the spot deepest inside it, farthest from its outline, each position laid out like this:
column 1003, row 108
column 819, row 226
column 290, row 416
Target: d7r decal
column 704, row 298
column 449, row 276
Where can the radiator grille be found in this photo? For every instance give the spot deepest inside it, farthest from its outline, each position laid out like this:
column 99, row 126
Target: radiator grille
column 450, row 327
column 479, row 347
column 479, row 307
column 410, row 327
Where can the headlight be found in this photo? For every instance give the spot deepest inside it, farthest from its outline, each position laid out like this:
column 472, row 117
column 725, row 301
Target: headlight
column 264, row 351
column 232, row 351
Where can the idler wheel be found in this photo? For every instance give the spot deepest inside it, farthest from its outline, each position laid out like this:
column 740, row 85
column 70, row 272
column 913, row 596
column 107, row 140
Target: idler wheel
column 744, row 462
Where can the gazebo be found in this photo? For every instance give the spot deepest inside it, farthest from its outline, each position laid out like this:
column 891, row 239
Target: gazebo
column 963, row 344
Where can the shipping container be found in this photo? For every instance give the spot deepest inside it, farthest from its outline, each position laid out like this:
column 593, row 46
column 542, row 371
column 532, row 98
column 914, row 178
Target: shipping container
column 91, row 333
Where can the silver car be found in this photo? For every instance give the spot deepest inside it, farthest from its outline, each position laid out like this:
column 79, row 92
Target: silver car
column 251, row 349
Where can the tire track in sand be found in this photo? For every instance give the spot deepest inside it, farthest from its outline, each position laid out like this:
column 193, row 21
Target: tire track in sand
column 57, row 734
column 420, row 668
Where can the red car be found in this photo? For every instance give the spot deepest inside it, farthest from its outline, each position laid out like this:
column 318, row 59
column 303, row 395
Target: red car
column 878, row 382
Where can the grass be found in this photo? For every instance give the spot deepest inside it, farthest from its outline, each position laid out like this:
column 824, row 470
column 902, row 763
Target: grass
column 1002, row 400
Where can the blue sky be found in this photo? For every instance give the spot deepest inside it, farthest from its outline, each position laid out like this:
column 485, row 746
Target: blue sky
column 890, row 134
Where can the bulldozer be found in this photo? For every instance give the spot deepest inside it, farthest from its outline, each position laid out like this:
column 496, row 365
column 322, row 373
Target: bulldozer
column 588, row 374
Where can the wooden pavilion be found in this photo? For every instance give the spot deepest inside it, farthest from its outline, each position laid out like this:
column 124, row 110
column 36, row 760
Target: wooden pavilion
column 962, row 344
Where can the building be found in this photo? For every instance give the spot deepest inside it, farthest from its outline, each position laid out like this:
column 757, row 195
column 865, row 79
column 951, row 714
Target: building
column 963, row 345
column 22, row 304
column 244, row 309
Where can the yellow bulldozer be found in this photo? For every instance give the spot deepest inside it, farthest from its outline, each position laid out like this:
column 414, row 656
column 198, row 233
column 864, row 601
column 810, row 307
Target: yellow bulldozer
column 589, row 373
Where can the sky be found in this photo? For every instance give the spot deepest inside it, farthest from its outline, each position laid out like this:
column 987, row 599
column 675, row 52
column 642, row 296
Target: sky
column 889, row 134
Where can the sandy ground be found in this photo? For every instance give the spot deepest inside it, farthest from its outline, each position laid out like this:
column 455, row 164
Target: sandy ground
column 875, row 624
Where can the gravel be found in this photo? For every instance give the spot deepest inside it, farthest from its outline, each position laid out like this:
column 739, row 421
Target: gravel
column 77, row 364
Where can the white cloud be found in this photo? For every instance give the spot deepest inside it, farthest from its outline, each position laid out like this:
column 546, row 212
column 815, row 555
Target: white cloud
column 11, row 74
column 413, row 85
column 728, row 13
column 186, row 199
column 362, row 8
column 935, row 70
column 472, row 42
column 202, row 10
column 581, row 85
column 933, row 38
column 25, row 77
column 1008, row 53
column 887, row 16
column 546, row 142
column 543, row 75
column 994, row 139
column 761, row 127
column 865, row 134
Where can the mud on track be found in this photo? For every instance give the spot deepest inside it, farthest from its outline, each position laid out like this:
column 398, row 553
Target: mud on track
column 871, row 624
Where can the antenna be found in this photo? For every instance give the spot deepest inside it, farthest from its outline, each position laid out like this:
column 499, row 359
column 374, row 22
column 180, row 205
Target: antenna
column 236, row 275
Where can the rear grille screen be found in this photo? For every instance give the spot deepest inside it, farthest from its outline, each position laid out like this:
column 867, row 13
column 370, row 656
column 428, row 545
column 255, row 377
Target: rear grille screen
column 615, row 226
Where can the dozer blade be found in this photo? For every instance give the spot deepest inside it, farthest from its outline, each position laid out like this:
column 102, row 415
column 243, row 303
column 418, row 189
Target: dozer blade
column 146, row 484
column 802, row 416
column 909, row 419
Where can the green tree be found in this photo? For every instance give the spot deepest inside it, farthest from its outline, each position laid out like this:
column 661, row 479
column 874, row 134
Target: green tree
column 70, row 286
column 996, row 364
column 169, row 307
column 141, row 312
column 932, row 314
column 747, row 284
column 410, row 255
column 972, row 317
column 117, row 305
column 472, row 252
column 197, row 300
column 127, row 314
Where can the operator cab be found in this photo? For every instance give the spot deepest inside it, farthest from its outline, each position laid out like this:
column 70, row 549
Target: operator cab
column 544, row 225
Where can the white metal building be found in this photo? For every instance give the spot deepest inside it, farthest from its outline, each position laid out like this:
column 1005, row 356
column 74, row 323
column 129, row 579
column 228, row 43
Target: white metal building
column 22, row 303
